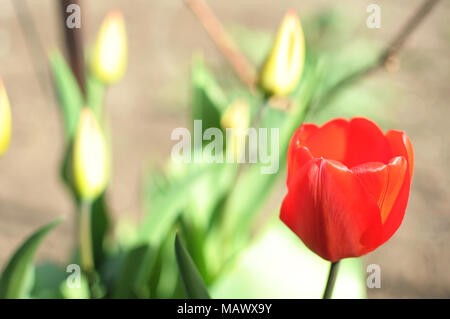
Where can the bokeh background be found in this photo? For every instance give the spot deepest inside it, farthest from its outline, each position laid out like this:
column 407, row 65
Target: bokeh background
column 153, row 98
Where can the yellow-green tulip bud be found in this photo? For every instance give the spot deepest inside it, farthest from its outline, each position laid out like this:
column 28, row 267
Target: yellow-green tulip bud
column 236, row 117
column 90, row 157
column 5, row 120
column 283, row 68
column 109, row 58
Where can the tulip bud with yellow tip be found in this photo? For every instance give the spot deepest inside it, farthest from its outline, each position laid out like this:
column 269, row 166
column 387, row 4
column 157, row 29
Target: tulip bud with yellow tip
column 5, row 120
column 284, row 65
column 237, row 118
column 90, row 157
column 237, row 115
column 109, row 58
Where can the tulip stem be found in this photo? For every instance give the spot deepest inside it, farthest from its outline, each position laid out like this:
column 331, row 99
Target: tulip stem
column 332, row 274
column 86, row 250
column 85, row 237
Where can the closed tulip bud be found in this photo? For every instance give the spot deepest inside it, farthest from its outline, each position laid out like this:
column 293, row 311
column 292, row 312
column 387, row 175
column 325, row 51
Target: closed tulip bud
column 237, row 115
column 284, row 65
column 5, row 120
column 237, row 118
column 90, row 157
column 110, row 53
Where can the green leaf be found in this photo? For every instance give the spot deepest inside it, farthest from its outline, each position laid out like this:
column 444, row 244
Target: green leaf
column 192, row 281
column 69, row 93
column 208, row 99
column 134, row 271
column 95, row 91
column 48, row 279
column 167, row 203
column 167, row 206
column 66, row 170
column 200, row 211
column 164, row 279
column 13, row 283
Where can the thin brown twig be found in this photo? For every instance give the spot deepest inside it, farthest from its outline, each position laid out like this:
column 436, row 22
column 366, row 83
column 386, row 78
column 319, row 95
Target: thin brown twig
column 74, row 44
column 407, row 30
column 243, row 68
column 392, row 49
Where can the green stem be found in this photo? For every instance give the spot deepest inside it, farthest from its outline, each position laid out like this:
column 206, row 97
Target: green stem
column 331, row 280
column 86, row 249
column 85, row 237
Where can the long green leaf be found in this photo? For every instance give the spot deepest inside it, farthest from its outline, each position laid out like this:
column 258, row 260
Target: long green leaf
column 48, row 280
column 192, row 281
column 167, row 207
column 13, row 283
column 69, row 93
column 208, row 99
column 164, row 279
column 129, row 283
column 167, row 203
column 95, row 91
column 66, row 170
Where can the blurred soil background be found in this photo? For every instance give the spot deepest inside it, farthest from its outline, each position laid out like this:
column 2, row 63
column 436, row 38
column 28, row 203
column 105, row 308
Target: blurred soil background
column 153, row 99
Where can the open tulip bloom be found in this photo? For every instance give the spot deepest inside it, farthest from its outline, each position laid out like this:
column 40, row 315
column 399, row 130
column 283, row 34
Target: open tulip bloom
column 348, row 186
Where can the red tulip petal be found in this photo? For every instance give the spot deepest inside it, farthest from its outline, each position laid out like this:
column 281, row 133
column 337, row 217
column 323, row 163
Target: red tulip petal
column 302, row 134
column 329, row 209
column 366, row 143
column 351, row 142
column 383, row 182
column 373, row 176
column 401, row 145
column 300, row 156
column 297, row 154
column 329, row 141
column 397, row 213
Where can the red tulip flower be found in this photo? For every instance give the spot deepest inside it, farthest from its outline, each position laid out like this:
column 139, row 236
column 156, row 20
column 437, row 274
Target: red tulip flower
column 348, row 186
